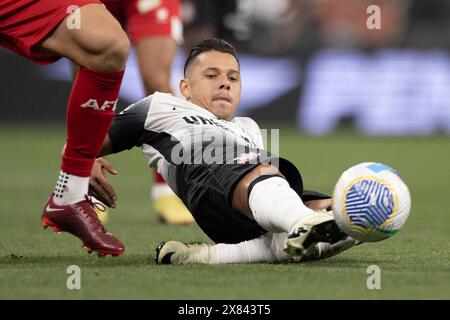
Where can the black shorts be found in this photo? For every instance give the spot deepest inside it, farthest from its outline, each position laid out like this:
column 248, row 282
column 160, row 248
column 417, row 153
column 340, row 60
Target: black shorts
column 207, row 192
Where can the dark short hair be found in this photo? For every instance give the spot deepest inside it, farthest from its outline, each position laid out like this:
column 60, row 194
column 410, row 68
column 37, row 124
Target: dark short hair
column 213, row 44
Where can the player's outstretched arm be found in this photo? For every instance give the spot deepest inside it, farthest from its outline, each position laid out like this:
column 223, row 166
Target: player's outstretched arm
column 125, row 132
column 107, row 147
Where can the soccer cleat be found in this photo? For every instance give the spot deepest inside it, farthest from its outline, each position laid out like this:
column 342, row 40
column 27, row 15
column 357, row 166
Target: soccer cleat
column 171, row 210
column 80, row 220
column 176, row 252
column 324, row 250
column 317, row 227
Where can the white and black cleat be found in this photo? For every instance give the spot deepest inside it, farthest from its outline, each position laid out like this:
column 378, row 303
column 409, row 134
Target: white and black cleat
column 176, row 252
column 316, row 228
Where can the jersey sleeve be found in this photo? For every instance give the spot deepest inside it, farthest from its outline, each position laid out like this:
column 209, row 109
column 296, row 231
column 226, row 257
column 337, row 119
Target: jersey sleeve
column 128, row 127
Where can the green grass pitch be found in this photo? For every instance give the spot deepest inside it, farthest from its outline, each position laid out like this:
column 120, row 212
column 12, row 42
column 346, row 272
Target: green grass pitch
column 415, row 263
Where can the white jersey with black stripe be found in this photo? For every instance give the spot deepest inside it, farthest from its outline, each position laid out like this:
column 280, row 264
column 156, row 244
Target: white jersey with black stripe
column 162, row 121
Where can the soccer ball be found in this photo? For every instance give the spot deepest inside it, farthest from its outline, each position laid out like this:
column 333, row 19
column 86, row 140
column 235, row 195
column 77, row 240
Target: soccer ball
column 371, row 202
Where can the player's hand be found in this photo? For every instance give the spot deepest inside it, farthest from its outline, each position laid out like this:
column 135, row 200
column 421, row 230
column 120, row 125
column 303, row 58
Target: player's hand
column 99, row 186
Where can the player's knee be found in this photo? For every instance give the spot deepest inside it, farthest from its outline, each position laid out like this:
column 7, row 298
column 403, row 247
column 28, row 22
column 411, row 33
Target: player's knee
column 258, row 179
column 108, row 54
column 259, row 173
column 246, row 184
column 114, row 53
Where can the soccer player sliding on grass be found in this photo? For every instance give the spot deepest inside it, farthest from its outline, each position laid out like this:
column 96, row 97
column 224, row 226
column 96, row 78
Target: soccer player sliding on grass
column 251, row 203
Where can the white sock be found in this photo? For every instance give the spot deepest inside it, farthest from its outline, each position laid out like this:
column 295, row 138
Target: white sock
column 70, row 189
column 275, row 206
column 266, row 248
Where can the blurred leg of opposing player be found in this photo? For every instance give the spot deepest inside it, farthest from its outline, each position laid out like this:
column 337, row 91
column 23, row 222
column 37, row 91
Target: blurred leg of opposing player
column 156, row 33
column 90, row 37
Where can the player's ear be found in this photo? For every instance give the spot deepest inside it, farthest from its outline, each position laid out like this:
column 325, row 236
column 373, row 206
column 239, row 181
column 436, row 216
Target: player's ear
column 184, row 89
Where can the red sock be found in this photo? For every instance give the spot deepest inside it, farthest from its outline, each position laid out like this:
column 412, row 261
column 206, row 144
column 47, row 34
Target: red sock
column 90, row 112
column 158, row 177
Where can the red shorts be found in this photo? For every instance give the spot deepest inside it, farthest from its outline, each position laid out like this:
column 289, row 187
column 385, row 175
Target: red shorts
column 148, row 18
column 23, row 23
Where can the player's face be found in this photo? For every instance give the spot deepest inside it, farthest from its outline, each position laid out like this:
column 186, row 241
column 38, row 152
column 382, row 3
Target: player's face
column 213, row 82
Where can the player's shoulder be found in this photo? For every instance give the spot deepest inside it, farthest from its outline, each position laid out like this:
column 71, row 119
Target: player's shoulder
column 140, row 106
column 166, row 97
column 146, row 103
column 245, row 122
column 162, row 100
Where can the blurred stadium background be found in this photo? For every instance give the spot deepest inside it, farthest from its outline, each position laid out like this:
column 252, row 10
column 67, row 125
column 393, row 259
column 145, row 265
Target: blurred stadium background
column 340, row 93
column 312, row 64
